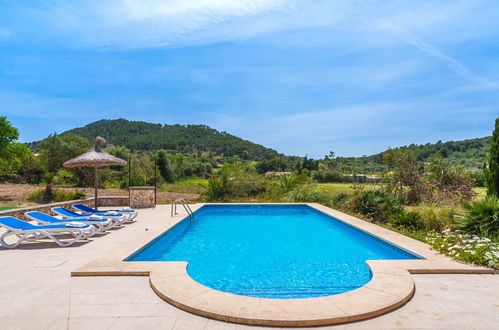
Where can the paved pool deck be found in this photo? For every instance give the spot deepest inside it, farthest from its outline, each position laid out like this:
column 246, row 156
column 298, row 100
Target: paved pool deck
column 37, row 292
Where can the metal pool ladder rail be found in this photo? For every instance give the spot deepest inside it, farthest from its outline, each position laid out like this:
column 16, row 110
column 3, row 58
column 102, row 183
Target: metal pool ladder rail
column 186, row 206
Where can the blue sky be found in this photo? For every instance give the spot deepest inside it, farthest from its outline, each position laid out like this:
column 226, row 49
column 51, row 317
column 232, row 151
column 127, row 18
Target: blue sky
column 303, row 77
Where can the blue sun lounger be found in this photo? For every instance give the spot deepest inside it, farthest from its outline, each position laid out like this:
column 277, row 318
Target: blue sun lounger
column 26, row 231
column 101, row 224
column 117, row 219
column 88, row 210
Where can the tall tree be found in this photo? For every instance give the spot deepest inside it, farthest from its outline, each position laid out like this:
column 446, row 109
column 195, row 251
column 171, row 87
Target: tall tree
column 491, row 166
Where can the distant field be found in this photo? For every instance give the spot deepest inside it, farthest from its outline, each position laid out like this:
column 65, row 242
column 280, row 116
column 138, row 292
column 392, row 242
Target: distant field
column 345, row 188
column 187, row 186
column 193, row 182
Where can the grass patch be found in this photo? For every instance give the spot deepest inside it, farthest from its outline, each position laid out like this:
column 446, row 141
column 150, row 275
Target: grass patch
column 193, row 182
column 56, row 196
column 187, row 186
column 345, row 188
column 4, row 208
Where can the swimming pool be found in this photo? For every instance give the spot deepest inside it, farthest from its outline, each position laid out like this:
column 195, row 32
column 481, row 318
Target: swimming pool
column 271, row 251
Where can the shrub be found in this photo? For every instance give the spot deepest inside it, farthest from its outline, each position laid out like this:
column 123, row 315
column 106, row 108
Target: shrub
column 339, row 200
column 408, row 219
column 64, row 177
column 481, row 217
column 217, row 188
column 436, row 218
column 234, row 181
column 56, row 195
column 306, row 193
column 288, row 183
column 327, row 176
column 446, row 185
column 36, row 196
column 468, row 248
column 62, row 196
column 377, row 205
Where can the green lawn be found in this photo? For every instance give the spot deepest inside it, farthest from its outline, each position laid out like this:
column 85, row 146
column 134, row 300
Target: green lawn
column 345, row 188
column 187, row 186
column 193, row 182
column 3, row 208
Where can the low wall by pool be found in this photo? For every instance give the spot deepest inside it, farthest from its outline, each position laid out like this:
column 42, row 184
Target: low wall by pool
column 46, row 208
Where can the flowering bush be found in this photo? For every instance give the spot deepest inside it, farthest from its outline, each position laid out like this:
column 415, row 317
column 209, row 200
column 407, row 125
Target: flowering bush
column 468, row 248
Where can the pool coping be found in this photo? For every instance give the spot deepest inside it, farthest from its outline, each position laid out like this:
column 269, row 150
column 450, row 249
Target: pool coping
column 390, row 287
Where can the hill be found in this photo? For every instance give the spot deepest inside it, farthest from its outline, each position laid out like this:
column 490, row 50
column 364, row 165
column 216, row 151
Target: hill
column 139, row 135
column 469, row 153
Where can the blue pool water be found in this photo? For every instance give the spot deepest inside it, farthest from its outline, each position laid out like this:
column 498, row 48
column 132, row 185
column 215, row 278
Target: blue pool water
column 271, row 251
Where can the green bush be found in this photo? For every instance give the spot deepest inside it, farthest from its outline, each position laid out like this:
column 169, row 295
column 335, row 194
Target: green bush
column 234, row 181
column 338, row 200
column 408, row 219
column 62, row 196
column 481, row 217
column 376, row 205
column 306, row 193
column 288, row 183
column 57, row 195
column 36, row 196
column 435, row 217
column 64, row 177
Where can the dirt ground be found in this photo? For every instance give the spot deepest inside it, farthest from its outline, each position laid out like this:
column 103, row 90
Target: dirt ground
column 16, row 195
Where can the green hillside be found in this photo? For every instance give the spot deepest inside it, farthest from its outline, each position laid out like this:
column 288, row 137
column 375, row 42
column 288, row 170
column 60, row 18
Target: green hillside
column 469, row 153
column 190, row 139
column 139, row 135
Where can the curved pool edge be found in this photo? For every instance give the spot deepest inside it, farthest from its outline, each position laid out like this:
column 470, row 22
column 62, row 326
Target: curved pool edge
column 386, row 291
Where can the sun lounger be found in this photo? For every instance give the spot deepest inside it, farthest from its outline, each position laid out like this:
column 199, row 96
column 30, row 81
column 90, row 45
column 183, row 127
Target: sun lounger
column 101, row 224
column 26, row 231
column 117, row 219
column 88, row 210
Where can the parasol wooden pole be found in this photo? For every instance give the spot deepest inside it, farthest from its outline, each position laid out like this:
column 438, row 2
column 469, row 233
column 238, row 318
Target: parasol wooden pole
column 96, row 187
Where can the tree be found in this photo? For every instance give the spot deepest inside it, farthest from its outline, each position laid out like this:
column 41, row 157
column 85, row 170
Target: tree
column 12, row 153
column 330, row 161
column 447, row 184
column 491, row 166
column 8, row 134
column 57, row 149
column 165, row 168
column 405, row 180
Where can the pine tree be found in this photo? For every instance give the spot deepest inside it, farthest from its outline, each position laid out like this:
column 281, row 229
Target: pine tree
column 165, row 168
column 491, row 166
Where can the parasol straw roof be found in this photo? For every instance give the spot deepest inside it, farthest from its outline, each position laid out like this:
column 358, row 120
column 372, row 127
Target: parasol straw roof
column 95, row 157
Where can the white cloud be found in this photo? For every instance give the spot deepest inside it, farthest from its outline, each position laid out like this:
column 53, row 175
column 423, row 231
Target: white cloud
column 452, row 63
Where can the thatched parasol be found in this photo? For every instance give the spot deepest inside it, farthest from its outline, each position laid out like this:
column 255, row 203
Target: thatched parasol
column 95, row 158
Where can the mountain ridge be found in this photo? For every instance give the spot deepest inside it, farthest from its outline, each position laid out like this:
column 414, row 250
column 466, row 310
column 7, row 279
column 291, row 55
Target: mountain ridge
column 141, row 135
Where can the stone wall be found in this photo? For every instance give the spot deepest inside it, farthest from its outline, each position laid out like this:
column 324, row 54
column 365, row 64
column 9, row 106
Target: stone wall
column 141, row 197
column 46, row 208
column 113, row 201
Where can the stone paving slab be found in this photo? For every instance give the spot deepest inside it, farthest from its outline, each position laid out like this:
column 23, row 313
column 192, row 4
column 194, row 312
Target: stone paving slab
column 390, row 287
column 34, row 297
